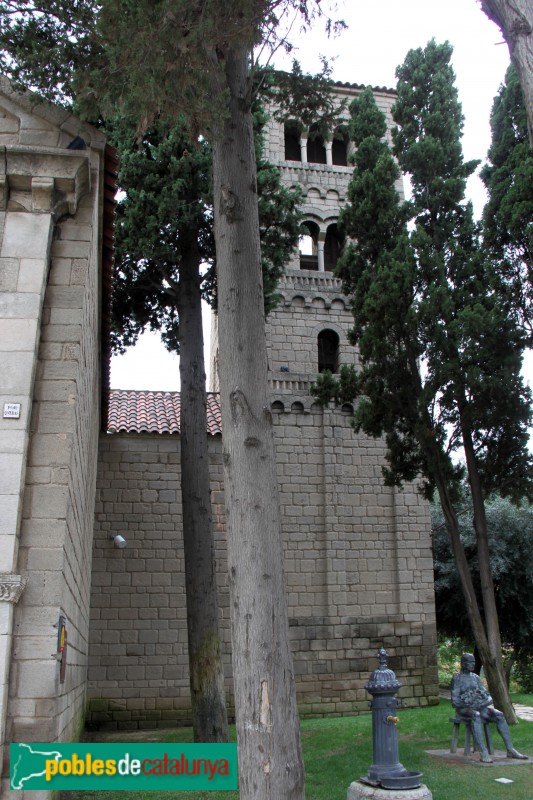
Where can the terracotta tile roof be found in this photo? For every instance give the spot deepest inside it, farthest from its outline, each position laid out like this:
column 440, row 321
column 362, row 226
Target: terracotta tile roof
column 154, row 412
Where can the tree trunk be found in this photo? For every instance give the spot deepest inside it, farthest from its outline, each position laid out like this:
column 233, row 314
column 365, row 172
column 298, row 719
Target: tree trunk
column 509, row 664
column 461, row 562
column 479, row 662
column 486, row 633
column 270, row 761
column 494, row 669
column 515, row 20
column 206, row 670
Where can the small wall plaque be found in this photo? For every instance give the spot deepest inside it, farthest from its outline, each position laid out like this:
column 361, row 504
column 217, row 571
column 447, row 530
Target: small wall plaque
column 62, row 648
column 11, row 410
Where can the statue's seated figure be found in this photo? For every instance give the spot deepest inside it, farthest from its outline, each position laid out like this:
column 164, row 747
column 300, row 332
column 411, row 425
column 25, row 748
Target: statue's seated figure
column 473, row 703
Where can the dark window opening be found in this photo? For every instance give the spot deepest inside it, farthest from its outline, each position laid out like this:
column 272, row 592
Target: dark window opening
column 328, row 351
column 332, row 248
column 293, row 151
column 339, row 150
column 316, row 150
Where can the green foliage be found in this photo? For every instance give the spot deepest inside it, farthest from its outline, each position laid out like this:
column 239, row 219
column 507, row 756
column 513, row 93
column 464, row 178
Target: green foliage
column 163, row 217
column 45, row 44
column 440, row 354
column 439, row 347
column 523, row 674
column 427, row 139
column 166, row 215
column 146, row 59
column 449, row 652
column 306, row 98
column 510, row 530
column 508, row 214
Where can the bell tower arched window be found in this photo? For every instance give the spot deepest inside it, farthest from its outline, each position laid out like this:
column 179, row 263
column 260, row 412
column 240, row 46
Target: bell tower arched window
column 316, row 149
column 328, row 351
column 293, row 151
column 308, row 246
column 339, row 150
column 332, row 247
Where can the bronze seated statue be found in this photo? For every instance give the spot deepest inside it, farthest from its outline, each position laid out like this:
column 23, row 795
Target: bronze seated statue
column 473, row 704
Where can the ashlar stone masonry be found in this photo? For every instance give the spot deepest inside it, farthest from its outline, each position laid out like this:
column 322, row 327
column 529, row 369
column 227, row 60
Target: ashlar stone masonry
column 50, row 262
column 357, row 554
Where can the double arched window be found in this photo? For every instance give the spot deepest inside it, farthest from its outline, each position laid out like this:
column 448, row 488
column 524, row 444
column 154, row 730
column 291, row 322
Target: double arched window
column 319, row 251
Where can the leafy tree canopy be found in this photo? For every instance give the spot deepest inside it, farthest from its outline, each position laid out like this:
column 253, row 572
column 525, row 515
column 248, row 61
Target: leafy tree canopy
column 148, row 58
column 423, row 293
column 511, row 537
column 440, row 350
column 167, row 199
column 508, row 214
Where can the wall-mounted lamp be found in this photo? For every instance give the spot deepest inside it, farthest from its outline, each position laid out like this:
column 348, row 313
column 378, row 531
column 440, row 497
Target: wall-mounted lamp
column 118, row 540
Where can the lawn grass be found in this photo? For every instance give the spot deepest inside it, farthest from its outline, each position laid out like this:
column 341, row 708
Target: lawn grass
column 338, row 751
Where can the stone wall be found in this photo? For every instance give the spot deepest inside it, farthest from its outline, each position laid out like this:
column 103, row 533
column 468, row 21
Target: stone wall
column 358, row 563
column 138, row 667
column 50, row 284
column 358, row 569
column 56, row 529
column 313, row 302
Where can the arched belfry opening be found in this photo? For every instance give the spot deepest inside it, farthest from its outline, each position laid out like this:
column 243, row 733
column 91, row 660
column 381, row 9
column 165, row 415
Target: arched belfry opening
column 308, row 245
column 339, row 147
column 328, row 351
column 293, row 150
column 316, row 147
column 332, row 247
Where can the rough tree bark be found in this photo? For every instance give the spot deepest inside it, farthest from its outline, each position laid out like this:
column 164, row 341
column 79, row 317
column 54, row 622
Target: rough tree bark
column 486, row 628
column 515, row 20
column 492, row 661
column 206, row 672
column 270, row 760
column 486, row 636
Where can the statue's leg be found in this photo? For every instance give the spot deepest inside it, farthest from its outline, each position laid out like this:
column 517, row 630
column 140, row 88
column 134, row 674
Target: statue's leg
column 477, row 733
column 503, row 730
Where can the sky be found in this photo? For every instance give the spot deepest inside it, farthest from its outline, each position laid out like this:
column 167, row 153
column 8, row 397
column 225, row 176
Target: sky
column 377, row 39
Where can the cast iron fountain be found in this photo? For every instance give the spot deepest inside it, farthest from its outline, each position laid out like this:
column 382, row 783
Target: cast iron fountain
column 386, row 770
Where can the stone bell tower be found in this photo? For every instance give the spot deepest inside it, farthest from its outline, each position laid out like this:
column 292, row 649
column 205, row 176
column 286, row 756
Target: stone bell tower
column 358, row 556
column 307, row 333
column 358, row 562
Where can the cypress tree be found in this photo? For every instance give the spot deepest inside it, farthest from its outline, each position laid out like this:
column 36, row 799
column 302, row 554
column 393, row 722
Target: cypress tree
column 440, row 354
column 508, row 214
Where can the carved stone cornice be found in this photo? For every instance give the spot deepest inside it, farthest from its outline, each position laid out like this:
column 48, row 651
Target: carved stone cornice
column 11, row 587
column 43, row 180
